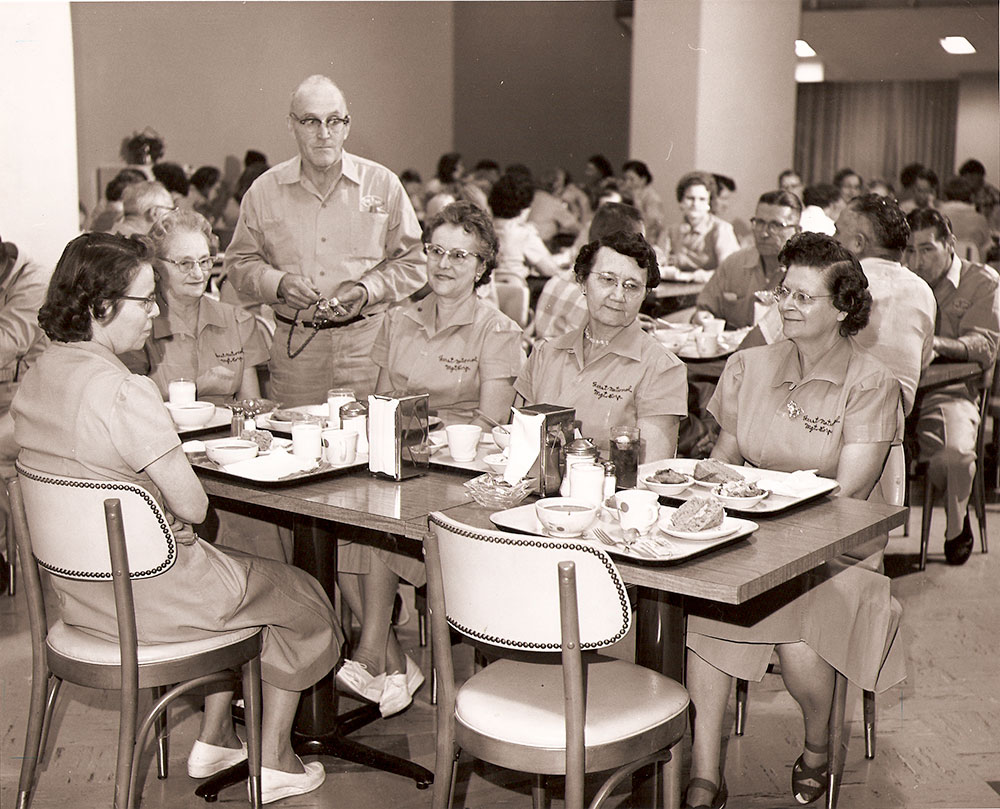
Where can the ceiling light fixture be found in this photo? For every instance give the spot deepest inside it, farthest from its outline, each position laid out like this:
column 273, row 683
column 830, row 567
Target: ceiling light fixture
column 803, row 49
column 809, row 72
column 957, row 45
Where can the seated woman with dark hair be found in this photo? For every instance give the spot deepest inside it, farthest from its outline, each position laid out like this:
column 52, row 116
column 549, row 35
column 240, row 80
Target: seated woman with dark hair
column 639, row 183
column 521, row 248
column 813, row 400
column 80, row 413
column 702, row 240
column 609, row 369
column 465, row 354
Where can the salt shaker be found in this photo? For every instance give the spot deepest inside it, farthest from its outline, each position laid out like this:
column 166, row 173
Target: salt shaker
column 610, row 479
column 354, row 416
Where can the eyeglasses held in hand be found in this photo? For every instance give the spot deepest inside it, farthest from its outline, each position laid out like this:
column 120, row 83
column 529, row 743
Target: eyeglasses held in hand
column 611, row 282
column 313, row 124
column 456, row 255
column 782, row 293
column 769, row 225
column 147, row 303
column 189, row 265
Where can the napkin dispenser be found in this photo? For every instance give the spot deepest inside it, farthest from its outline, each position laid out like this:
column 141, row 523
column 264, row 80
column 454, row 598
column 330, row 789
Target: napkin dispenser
column 556, row 433
column 398, row 445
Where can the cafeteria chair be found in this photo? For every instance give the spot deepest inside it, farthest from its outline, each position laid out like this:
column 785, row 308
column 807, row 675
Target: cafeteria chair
column 513, row 299
column 892, row 484
column 111, row 533
column 551, row 705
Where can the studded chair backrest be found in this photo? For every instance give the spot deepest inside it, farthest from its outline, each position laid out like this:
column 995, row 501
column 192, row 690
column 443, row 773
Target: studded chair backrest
column 502, row 589
column 69, row 535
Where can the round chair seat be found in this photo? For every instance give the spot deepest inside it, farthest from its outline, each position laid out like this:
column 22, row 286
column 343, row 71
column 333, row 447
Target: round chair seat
column 522, row 703
column 75, row 644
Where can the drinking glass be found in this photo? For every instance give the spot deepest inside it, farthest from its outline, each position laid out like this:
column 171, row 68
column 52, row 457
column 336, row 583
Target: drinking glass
column 625, row 455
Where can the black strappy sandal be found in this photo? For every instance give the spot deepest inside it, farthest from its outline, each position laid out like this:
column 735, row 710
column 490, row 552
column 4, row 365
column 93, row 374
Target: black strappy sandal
column 809, row 783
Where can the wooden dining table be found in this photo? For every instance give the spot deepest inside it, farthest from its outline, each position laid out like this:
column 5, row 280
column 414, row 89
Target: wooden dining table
column 786, row 545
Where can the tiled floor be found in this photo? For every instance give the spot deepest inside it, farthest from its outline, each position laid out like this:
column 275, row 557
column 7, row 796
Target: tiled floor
column 938, row 734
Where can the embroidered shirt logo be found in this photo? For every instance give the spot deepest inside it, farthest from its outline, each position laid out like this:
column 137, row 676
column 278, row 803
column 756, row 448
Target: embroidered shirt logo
column 615, row 392
column 373, row 204
column 457, row 364
column 230, row 357
column 813, row 424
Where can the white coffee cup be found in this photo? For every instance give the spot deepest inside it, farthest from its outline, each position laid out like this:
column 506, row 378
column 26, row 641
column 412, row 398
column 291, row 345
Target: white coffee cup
column 181, row 391
column 714, row 326
column 638, row 509
column 307, row 440
column 340, row 446
column 708, row 344
column 463, row 441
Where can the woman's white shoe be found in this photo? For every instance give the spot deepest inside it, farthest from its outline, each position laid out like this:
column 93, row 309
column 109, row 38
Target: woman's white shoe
column 205, row 760
column 278, row 784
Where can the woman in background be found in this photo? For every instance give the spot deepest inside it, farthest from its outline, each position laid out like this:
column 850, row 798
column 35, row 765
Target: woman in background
column 702, row 240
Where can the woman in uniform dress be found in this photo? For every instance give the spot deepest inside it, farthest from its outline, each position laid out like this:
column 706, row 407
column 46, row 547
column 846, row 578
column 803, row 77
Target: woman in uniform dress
column 812, row 400
column 702, row 240
column 81, row 413
column 466, row 355
column 609, row 369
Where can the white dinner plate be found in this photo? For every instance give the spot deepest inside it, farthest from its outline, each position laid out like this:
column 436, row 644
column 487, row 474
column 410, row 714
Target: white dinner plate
column 728, row 526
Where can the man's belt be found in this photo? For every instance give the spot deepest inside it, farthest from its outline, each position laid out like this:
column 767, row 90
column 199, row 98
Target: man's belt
column 318, row 324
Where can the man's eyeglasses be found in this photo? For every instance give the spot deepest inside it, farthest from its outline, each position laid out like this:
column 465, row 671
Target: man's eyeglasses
column 610, row 283
column 147, row 303
column 456, row 255
column 769, row 225
column 189, row 265
column 782, row 293
column 313, row 124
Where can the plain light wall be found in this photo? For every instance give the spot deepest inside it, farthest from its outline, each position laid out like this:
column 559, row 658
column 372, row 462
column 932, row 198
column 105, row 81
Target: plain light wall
column 713, row 89
column 214, row 79
column 541, row 83
column 38, row 193
column 977, row 132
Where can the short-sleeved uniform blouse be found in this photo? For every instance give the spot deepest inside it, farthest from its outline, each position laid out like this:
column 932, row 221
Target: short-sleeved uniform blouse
column 633, row 377
column 225, row 336
column 80, row 413
column 708, row 243
column 449, row 363
column 784, row 421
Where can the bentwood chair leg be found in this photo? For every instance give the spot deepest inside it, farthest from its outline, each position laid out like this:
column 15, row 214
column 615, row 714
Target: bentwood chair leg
column 162, row 740
column 979, row 499
column 252, row 702
column 420, row 605
column 127, row 725
column 869, row 712
column 835, row 740
column 33, row 748
column 925, row 521
column 539, row 793
column 742, row 687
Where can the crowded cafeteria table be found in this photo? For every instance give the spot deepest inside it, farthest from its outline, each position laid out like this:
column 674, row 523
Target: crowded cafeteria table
column 784, row 547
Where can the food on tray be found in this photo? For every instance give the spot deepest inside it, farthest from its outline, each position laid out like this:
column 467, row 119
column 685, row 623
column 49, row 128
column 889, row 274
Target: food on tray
column 739, row 488
column 262, row 438
column 713, row 471
column 296, row 415
column 668, row 476
column 698, row 514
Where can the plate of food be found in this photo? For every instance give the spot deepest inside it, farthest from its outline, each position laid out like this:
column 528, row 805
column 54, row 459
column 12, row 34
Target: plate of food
column 283, row 418
column 740, row 494
column 710, row 472
column 698, row 519
column 667, row 481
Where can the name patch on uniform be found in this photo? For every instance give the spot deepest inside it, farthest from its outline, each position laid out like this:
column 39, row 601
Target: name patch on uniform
column 960, row 305
column 230, row 357
column 457, row 364
column 602, row 391
column 817, row 424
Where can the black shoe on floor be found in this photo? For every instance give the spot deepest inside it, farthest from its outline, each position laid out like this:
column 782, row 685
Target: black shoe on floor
column 958, row 550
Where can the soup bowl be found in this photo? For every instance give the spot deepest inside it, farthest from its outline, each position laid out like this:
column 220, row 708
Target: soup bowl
column 191, row 414
column 565, row 516
column 231, row 450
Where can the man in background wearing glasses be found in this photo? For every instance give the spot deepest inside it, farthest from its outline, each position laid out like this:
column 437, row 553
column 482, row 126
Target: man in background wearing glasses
column 330, row 228
column 142, row 204
column 732, row 291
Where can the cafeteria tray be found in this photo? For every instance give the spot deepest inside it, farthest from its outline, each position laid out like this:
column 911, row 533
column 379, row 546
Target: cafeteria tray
column 776, row 502
column 658, row 548
column 202, row 464
column 441, row 456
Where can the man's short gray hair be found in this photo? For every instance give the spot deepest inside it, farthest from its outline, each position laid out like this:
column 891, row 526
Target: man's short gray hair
column 316, row 80
column 140, row 197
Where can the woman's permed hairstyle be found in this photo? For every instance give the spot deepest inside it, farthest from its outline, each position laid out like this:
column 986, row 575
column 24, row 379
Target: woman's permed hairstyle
column 628, row 244
column 842, row 273
column 181, row 220
column 474, row 221
column 92, row 274
column 510, row 195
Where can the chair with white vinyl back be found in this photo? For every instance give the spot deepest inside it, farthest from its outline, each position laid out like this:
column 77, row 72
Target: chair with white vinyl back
column 110, row 533
column 514, row 300
column 892, row 484
column 536, row 710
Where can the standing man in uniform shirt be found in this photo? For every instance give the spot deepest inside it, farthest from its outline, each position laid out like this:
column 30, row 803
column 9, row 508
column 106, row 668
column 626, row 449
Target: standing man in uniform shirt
column 325, row 226
column 967, row 330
